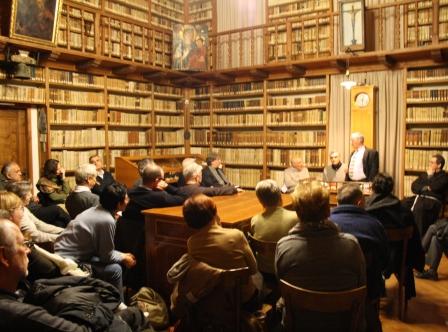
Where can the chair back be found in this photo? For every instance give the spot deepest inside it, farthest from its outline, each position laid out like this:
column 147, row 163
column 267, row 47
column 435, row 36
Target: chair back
column 260, row 246
column 299, row 299
column 404, row 235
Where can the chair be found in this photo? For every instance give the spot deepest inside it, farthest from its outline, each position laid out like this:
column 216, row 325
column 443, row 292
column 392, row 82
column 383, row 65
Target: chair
column 298, row 299
column 260, row 246
column 219, row 310
column 403, row 235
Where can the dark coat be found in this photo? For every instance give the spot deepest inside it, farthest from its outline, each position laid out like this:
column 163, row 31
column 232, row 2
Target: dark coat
column 370, row 164
column 102, row 183
column 194, row 189
column 208, row 180
column 372, row 238
column 435, row 186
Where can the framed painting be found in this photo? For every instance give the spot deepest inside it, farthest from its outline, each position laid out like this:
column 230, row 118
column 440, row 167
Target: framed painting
column 351, row 25
column 35, row 20
column 190, row 47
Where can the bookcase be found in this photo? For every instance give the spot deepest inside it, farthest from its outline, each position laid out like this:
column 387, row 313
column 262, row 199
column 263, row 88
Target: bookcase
column 426, row 120
column 169, row 120
column 443, row 20
column 296, row 124
column 19, row 91
column 419, row 17
column 280, row 10
column 166, row 13
column 76, row 117
column 135, row 9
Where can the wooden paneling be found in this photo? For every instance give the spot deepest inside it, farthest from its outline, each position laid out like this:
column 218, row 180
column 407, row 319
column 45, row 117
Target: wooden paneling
column 13, row 136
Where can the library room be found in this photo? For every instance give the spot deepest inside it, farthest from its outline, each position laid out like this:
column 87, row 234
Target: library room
column 224, row 165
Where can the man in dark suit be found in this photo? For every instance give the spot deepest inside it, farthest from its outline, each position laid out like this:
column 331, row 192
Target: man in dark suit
column 104, row 178
column 364, row 162
column 213, row 175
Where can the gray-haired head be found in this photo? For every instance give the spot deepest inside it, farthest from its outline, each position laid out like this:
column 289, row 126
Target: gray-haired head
column 84, row 172
column 268, row 193
column 187, row 161
column 192, row 171
column 141, row 165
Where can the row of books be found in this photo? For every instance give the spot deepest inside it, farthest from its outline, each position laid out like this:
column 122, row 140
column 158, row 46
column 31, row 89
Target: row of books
column 199, row 6
column 424, row 16
column 94, row 3
column 201, row 91
column 133, row 102
column 37, row 74
column 297, row 138
column 201, row 105
column 128, row 86
column 311, row 33
column 309, row 48
column 127, row 152
column 78, row 13
column 71, row 160
column 197, row 120
column 20, row 93
column 240, row 88
column 201, row 15
column 168, row 90
column 282, row 157
column 200, row 136
column 427, row 95
column 246, row 177
column 161, row 10
column 76, row 41
column 314, row 116
column 427, row 137
column 237, row 104
column 74, row 78
column 407, row 184
column 168, row 151
column 170, row 137
column 301, row 100
column 170, row 120
column 417, row 160
column 203, row 151
column 238, row 120
column 72, row 97
column 107, row 22
column 440, row 73
column 241, row 156
column 170, row 4
column 298, row 83
column 129, row 118
column 127, row 11
column 421, row 34
column 77, row 116
column 77, row 138
column 443, row 30
column 120, row 138
column 278, row 9
column 431, row 114
column 167, row 105
column 234, row 138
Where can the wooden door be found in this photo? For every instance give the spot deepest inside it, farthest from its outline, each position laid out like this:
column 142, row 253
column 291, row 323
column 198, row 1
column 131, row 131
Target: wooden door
column 14, row 138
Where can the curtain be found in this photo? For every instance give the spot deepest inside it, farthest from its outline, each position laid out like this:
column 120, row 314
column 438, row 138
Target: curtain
column 389, row 119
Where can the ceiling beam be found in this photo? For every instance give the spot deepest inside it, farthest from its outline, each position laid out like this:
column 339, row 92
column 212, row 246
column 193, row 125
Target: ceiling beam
column 258, row 73
column 124, row 70
column 296, row 70
column 387, row 60
column 88, row 64
column 439, row 56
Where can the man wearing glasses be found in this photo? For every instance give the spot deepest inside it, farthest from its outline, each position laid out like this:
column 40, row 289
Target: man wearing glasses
column 336, row 171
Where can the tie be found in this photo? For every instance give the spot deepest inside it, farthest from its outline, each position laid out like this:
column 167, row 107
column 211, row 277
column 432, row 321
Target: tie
column 351, row 168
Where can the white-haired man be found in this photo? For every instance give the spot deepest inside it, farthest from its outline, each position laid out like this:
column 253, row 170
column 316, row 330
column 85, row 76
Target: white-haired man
column 294, row 174
column 336, row 171
column 364, row 162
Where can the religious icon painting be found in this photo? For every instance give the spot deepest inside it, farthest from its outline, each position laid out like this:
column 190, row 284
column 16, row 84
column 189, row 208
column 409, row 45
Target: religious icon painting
column 190, row 47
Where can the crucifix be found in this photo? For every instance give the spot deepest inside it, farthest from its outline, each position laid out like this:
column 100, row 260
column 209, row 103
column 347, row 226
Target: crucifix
column 353, row 13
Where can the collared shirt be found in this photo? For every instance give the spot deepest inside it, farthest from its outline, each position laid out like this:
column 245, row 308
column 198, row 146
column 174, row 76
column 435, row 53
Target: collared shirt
column 100, row 173
column 356, row 170
column 80, row 189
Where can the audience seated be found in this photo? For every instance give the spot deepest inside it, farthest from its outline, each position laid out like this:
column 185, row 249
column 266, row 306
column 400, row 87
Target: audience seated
column 273, row 223
column 38, row 230
column 185, row 163
column 130, row 235
column 10, row 172
column 90, row 238
column 336, row 171
column 387, row 208
column 223, row 248
column 52, row 185
column 292, row 175
column 81, row 198
column 103, row 178
column 431, row 188
column 352, row 218
column 141, row 165
column 213, row 175
column 192, row 174
column 315, row 255
column 19, row 315
column 435, row 243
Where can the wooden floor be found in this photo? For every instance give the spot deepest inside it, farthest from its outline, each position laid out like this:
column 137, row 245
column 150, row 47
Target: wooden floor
column 428, row 312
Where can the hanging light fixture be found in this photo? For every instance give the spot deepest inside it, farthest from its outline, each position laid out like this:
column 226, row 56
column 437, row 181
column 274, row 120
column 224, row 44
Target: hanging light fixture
column 347, row 83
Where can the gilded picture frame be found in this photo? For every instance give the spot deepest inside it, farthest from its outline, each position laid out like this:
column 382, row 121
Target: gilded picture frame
column 351, row 25
column 35, row 20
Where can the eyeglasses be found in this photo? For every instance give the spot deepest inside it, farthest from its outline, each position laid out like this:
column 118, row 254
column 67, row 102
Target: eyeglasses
column 29, row 244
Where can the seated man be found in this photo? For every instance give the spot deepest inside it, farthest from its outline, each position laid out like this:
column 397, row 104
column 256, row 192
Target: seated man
column 352, row 218
column 21, row 316
column 103, row 178
column 294, row 174
column 90, row 238
column 316, row 255
column 141, row 165
column 213, row 175
column 10, row 172
column 81, row 198
column 431, row 189
column 223, row 248
column 336, row 171
column 273, row 223
column 193, row 176
column 130, row 235
column 185, row 163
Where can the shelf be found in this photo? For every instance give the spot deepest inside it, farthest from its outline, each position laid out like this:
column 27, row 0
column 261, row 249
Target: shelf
column 200, row 144
column 172, row 112
column 294, row 146
column 164, row 145
column 200, row 127
column 416, row 123
column 129, row 93
column 295, row 125
column 300, row 90
column 199, row 97
column 75, row 124
column 434, row 81
column 120, row 125
column 76, row 87
column 167, row 96
column 124, row 108
column 236, row 146
column 296, row 107
column 425, row 147
column 245, row 126
column 238, row 110
column 238, row 95
column 129, row 146
column 78, row 147
column 169, row 127
column 426, row 102
column 68, row 104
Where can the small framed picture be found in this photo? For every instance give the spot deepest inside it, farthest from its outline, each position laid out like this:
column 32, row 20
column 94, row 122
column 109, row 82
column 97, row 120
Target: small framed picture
column 35, row 20
column 351, row 25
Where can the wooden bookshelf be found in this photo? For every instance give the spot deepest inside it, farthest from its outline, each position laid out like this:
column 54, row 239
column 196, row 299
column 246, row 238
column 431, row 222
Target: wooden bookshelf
column 167, row 13
column 426, row 120
column 419, row 17
column 281, row 10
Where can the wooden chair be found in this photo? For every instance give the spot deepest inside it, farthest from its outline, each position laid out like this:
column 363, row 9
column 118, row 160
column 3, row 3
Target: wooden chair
column 403, row 235
column 260, row 246
column 298, row 299
column 220, row 310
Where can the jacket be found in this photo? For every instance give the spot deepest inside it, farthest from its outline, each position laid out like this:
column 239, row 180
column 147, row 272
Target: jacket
column 103, row 182
column 194, row 189
column 370, row 164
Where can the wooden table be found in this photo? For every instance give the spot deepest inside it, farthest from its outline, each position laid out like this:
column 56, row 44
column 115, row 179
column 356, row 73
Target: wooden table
column 166, row 233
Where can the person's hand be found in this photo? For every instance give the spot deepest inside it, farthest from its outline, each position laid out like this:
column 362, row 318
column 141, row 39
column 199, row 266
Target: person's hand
column 239, row 190
column 161, row 185
column 129, row 260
